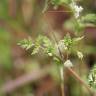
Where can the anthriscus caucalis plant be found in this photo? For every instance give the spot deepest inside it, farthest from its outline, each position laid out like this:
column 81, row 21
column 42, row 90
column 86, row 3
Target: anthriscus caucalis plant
column 76, row 23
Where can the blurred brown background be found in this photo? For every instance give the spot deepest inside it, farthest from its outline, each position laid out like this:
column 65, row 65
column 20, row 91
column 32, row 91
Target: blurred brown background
column 24, row 75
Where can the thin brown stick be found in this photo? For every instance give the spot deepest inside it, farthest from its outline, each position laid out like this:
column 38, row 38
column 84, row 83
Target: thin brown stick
column 72, row 72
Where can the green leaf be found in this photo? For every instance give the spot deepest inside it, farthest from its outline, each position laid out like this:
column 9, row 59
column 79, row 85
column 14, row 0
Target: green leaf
column 42, row 42
column 26, row 43
column 49, row 47
column 35, row 49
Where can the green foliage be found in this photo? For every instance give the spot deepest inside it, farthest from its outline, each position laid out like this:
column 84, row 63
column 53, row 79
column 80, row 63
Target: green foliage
column 67, row 41
column 26, row 43
column 92, row 78
column 82, row 22
column 89, row 19
column 42, row 42
column 74, row 25
column 45, row 44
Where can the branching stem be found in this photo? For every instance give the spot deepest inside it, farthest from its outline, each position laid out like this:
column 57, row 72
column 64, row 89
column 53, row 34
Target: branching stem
column 70, row 70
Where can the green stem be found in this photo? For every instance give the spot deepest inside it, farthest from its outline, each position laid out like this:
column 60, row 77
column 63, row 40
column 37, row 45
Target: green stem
column 62, row 79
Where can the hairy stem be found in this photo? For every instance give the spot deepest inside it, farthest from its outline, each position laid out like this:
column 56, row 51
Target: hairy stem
column 62, row 80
